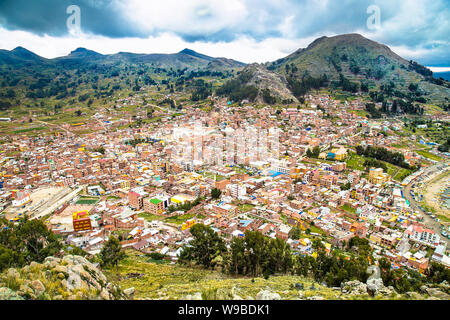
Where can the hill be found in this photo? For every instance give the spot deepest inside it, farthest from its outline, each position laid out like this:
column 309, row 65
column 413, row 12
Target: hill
column 81, row 57
column 157, row 279
column 20, row 57
column 67, row 278
column 365, row 62
column 258, row 84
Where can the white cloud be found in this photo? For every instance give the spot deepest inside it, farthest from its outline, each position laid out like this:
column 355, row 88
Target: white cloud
column 195, row 17
column 243, row 49
column 440, row 69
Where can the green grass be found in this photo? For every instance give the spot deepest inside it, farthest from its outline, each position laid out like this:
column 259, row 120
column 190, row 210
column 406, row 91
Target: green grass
column 355, row 162
column 245, row 207
column 179, row 219
column 149, row 216
column 361, row 113
column 428, row 155
column 30, row 129
column 443, row 218
column 87, row 200
column 177, row 281
column 348, row 208
column 212, row 175
column 314, row 229
column 401, row 174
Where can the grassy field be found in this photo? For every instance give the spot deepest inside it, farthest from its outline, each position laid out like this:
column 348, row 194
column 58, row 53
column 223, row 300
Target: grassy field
column 164, row 281
column 245, row 207
column 29, row 129
column 87, row 200
column 356, row 162
column 428, row 155
column 348, row 208
column 179, row 219
column 149, row 216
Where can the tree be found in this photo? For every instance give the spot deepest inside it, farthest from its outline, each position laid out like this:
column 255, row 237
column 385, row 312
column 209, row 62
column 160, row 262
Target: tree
column 255, row 247
column 112, row 253
column 27, row 241
column 295, row 233
column 215, row 193
column 206, row 246
column 346, row 186
column 237, row 262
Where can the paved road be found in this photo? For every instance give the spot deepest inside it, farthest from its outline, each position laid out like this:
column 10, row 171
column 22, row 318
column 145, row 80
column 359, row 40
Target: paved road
column 427, row 221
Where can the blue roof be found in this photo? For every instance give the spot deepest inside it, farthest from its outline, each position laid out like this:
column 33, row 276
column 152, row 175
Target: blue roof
column 245, row 222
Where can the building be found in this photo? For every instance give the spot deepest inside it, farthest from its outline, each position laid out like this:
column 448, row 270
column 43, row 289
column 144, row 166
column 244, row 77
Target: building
column 377, row 176
column 282, row 232
column 81, row 221
column 421, row 234
column 154, row 206
column 136, row 198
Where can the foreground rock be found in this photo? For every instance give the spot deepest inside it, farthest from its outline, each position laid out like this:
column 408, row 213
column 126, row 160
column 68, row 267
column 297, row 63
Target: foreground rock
column 69, row 278
column 354, row 287
column 267, row 295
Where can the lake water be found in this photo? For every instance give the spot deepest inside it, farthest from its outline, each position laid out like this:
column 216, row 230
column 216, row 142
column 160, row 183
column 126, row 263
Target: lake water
column 444, row 75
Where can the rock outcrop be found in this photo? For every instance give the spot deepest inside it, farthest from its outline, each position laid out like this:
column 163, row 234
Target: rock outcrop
column 267, row 295
column 354, row 287
column 69, row 278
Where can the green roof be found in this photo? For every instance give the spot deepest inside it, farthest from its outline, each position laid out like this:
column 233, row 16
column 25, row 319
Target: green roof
column 155, row 201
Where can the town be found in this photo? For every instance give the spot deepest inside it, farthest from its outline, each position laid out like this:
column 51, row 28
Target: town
column 297, row 174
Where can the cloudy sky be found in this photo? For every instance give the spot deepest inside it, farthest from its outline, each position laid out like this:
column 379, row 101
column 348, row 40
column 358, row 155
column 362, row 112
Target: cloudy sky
column 245, row 30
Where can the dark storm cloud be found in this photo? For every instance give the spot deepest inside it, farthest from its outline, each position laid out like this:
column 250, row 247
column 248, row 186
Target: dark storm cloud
column 415, row 24
column 50, row 17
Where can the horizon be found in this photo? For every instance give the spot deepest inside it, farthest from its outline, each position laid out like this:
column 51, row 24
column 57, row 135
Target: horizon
column 416, row 30
column 434, row 69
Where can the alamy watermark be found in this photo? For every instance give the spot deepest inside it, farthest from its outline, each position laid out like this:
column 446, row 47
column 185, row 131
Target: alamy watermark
column 374, row 20
column 74, row 20
column 208, row 146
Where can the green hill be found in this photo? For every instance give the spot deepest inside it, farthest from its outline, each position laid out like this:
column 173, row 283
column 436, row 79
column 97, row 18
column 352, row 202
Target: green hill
column 361, row 61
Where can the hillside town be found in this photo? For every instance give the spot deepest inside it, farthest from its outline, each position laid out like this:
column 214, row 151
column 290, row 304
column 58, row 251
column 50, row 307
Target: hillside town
column 233, row 168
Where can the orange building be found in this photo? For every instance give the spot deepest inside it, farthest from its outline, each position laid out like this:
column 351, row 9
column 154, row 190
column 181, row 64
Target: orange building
column 81, row 221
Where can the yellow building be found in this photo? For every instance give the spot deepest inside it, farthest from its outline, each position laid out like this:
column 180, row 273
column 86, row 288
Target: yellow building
column 339, row 154
column 188, row 224
column 375, row 239
column 125, row 184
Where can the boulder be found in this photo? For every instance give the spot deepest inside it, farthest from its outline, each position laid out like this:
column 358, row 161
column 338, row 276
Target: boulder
column 8, row 294
column 444, row 286
column 354, row 287
column 315, row 298
column 38, row 287
column 413, row 295
column 436, row 293
column 386, row 291
column 60, row 268
column 195, row 296
column 104, row 294
column 129, row 292
column 25, row 290
column 12, row 274
column 267, row 295
column 374, row 285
